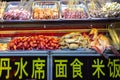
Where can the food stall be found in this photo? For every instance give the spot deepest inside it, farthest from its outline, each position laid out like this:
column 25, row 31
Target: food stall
column 60, row 39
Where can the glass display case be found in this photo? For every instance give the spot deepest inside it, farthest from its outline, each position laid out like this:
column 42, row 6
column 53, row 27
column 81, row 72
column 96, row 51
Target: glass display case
column 48, row 49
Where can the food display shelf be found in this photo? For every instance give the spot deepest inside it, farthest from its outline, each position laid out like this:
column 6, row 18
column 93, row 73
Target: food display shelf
column 60, row 20
column 59, row 5
column 57, row 29
column 52, row 23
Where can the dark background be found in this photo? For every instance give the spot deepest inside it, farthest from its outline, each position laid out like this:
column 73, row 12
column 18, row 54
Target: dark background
column 86, row 69
column 28, row 67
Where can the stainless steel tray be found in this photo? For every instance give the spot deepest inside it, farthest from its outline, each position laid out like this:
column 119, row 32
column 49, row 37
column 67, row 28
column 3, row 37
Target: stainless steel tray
column 80, row 5
column 96, row 12
column 46, row 5
column 14, row 5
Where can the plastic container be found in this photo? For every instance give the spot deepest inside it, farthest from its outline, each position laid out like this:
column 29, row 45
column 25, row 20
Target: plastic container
column 45, row 10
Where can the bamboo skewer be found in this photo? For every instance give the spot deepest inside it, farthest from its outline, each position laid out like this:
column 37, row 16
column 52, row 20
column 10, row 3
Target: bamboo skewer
column 72, row 4
column 27, row 6
column 92, row 4
column 2, row 7
column 21, row 4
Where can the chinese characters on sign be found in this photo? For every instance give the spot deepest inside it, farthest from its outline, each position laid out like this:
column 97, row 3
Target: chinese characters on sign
column 98, row 65
column 5, row 66
column 38, row 69
column 66, row 68
column 37, row 66
column 74, row 68
column 61, row 68
column 114, row 68
column 76, row 65
column 21, row 68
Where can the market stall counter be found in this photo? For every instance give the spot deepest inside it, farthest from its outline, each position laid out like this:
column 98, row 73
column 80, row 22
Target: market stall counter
column 58, row 40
